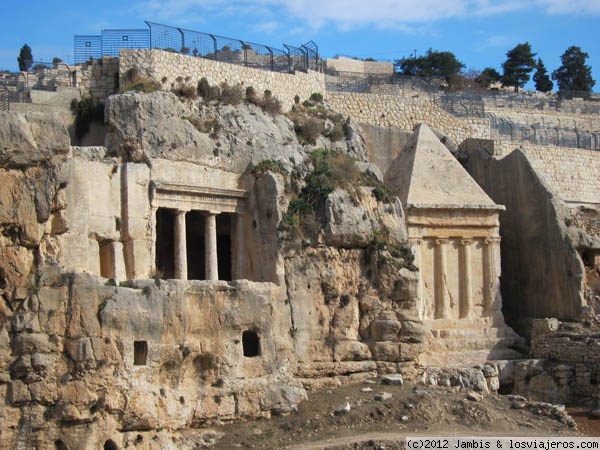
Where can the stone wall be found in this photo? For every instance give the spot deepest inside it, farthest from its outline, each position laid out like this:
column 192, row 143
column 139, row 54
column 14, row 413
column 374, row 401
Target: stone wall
column 357, row 66
column 100, row 77
column 534, row 236
column 537, row 103
column 405, row 110
column 572, row 174
column 551, row 339
column 566, row 368
column 167, row 67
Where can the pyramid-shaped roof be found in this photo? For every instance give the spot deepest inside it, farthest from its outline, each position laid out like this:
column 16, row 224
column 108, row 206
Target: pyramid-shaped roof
column 425, row 174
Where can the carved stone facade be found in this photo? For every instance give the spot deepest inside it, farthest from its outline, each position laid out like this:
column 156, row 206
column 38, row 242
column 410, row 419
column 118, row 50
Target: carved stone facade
column 454, row 232
column 151, row 224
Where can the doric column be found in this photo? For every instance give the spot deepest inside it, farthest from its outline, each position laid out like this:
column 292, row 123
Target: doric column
column 466, row 293
column 181, row 268
column 211, row 262
column 442, row 299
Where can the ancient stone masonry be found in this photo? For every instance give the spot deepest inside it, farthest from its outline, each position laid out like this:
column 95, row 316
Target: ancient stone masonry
column 456, row 242
column 358, row 67
column 167, row 68
column 161, row 282
column 566, row 364
column 405, row 110
column 545, row 187
column 141, row 266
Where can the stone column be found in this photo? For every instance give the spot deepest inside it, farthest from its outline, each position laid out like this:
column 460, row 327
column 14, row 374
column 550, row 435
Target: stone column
column 211, row 263
column 466, row 297
column 415, row 244
column 442, row 299
column 489, row 276
column 181, row 269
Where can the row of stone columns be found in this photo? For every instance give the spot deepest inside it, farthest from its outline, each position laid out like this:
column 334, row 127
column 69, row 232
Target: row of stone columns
column 442, row 307
column 210, row 246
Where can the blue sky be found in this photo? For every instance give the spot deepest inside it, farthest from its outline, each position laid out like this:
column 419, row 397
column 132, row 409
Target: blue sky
column 478, row 32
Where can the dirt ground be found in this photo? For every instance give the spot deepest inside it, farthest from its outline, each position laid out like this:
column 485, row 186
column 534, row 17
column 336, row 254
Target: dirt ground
column 412, row 410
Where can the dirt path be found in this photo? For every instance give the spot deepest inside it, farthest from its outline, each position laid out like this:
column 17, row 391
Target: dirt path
column 376, row 424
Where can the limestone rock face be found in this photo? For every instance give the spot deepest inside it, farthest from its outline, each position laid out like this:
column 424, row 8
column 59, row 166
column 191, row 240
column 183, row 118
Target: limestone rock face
column 535, row 234
column 26, row 140
column 160, row 125
column 110, row 325
column 353, row 222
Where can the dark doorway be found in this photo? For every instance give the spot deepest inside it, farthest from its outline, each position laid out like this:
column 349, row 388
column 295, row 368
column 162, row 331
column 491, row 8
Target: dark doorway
column 588, row 258
column 251, row 344
column 110, row 445
column 140, row 353
column 224, row 227
column 60, row 445
column 194, row 234
column 165, row 243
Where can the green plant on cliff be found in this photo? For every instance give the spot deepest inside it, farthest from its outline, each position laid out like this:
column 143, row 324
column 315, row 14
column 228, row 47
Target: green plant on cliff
column 331, row 170
column 313, row 119
column 184, row 91
column 133, row 81
column 400, row 251
column 268, row 102
column 86, row 111
column 383, row 194
column 269, row 165
column 211, row 126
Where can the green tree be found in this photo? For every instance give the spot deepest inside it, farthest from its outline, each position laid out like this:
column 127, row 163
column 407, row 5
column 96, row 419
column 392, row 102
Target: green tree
column 574, row 74
column 56, row 61
column 25, row 58
column 433, row 64
column 488, row 76
column 542, row 80
column 518, row 65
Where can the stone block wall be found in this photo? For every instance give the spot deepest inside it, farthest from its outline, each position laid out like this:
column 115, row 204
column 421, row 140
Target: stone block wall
column 166, row 68
column 100, row 78
column 572, row 174
column 551, row 340
column 406, row 110
column 536, row 103
column 357, row 66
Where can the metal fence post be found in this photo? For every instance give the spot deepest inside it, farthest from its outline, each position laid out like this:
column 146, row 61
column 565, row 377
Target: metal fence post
column 182, row 39
column 245, row 49
column 271, row 59
column 215, row 46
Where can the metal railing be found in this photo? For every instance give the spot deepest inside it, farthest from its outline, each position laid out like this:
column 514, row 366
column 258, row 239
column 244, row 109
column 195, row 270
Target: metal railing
column 379, row 83
column 195, row 43
column 545, row 135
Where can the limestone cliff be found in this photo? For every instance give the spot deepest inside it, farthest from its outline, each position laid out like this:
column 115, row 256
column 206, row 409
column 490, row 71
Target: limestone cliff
column 99, row 346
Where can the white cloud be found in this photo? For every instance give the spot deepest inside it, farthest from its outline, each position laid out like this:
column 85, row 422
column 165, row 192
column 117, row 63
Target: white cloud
column 347, row 14
column 570, row 6
column 267, row 27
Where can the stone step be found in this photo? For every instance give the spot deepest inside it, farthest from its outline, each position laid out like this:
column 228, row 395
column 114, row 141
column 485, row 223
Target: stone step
column 447, row 345
column 467, row 358
column 492, row 333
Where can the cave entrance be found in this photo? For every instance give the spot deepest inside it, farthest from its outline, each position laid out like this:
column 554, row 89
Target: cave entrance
column 140, row 353
column 589, row 258
column 251, row 343
column 110, row 445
